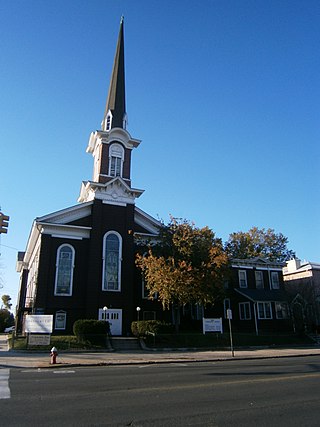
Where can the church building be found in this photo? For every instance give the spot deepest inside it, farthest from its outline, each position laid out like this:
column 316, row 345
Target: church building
column 79, row 262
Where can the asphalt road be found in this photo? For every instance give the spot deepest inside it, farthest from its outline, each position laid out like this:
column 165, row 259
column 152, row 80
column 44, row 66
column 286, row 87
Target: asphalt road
column 273, row 392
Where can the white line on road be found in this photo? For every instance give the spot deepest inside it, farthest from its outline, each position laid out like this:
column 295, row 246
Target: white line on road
column 4, row 384
column 152, row 365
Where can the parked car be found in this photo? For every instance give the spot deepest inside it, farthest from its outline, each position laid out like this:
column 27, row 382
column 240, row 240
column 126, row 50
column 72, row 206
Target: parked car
column 9, row 329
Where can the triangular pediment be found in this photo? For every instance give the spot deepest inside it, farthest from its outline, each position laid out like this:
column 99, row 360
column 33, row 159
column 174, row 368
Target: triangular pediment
column 115, row 192
column 67, row 215
column 146, row 222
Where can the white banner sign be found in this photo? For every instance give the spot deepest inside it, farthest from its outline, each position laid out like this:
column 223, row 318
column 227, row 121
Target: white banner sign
column 39, row 323
column 43, row 339
column 212, row 325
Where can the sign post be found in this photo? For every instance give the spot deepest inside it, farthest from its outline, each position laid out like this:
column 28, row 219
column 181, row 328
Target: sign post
column 229, row 317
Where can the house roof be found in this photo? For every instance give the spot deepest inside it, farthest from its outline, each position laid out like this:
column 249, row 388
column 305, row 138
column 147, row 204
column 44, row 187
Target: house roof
column 263, row 294
column 257, row 262
column 295, row 266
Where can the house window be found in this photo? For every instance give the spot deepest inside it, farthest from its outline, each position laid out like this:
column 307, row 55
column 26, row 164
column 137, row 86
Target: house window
column 259, row 279
column 275, row 280
column 149, row 315
column 226, row 306
column 282, row 310
column 242, row 278
column 112, row 248
column 60, row 320
column 64, row 270
column 116, row 160
column 264, row 310
column 199, row 312
column 244, row 311
column 145, row 290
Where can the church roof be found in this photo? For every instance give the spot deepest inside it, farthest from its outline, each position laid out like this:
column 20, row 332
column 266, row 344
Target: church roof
column 263, row 294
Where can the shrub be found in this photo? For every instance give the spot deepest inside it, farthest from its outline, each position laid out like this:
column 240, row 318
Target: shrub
column 94, row 331
column 143, row 327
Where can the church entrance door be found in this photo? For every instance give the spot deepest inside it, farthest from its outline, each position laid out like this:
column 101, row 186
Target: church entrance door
column 114, row 317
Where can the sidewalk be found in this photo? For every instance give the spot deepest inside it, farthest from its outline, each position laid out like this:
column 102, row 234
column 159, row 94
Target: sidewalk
column 25, row 359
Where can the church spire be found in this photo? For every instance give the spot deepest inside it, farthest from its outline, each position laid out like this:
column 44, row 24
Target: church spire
column 115, row 112
column 111, row 147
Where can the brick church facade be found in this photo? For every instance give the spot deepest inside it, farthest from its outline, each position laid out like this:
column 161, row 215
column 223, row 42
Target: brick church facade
column 79, row 262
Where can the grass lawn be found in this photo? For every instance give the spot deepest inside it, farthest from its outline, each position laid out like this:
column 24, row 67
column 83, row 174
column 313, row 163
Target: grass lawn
column 181, row 340
column 217, row 340
column 63, row 342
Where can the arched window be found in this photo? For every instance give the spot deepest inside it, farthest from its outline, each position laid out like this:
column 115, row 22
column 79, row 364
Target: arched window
column 112, row 248
column 116, row 160
column 108, row 121
column 60, row 320
column 64, row 270
column 125, row 121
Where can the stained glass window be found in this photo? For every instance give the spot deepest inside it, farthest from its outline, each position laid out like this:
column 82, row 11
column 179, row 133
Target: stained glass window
column 112, row 264
column 64, row 270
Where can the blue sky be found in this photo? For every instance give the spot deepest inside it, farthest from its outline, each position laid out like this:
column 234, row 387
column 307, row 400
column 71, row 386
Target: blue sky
column 224, row 95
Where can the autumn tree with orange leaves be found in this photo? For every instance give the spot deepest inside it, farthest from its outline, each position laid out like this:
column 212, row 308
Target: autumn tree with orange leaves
column 186, row 265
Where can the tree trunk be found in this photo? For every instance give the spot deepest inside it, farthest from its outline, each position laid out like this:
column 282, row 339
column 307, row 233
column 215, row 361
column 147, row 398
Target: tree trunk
column 176, row 317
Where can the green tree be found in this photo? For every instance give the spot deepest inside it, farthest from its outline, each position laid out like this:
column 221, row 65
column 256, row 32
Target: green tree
column 259, row 243
column 6, row 319
column 187, row 265
column 6, row 302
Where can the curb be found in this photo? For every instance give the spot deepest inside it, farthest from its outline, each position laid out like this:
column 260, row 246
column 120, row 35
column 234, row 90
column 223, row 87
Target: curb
column 169, row 361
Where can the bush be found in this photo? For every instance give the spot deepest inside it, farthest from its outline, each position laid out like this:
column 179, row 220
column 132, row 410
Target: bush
column 6, row 319
column 143, row 327
column 94, row 331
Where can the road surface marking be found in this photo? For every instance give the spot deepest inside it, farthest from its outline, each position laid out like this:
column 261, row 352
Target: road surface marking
column 4, row 384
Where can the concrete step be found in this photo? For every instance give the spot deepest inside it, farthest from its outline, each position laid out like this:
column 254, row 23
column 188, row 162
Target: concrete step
column 124, row 343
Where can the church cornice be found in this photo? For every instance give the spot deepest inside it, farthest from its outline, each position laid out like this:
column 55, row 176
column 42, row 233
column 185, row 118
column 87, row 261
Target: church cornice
column 114, row 135
column 115, row 192
column 64, row 231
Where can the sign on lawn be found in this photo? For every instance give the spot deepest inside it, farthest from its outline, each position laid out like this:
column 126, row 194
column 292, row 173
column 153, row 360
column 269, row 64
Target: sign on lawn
column 212, row 325
column 43, row 339
column 39, row 323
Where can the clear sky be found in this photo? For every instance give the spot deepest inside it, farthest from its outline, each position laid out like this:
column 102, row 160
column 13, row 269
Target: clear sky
column 224, row 95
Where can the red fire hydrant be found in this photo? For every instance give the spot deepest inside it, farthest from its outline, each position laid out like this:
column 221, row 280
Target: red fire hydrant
column 53, row 355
